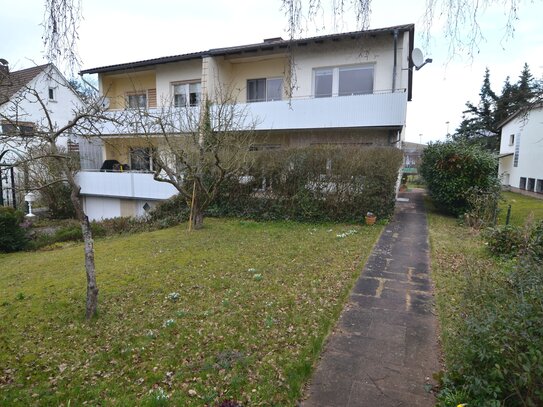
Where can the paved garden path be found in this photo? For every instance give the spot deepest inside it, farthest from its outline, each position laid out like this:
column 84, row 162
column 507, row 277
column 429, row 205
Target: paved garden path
column 384, row 351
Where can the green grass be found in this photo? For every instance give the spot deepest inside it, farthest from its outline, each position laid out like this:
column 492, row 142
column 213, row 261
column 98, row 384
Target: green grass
column 522, row 207
column 231, row 334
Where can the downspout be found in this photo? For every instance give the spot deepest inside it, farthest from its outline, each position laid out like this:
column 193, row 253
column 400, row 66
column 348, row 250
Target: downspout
column 395, row 60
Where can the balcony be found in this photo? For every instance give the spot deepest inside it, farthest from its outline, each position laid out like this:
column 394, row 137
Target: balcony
column 374, row 110
column 135, row 185
column 382, row 109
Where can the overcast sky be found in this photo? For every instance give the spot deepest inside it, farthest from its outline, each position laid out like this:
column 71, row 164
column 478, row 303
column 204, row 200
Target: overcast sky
column 116, row 31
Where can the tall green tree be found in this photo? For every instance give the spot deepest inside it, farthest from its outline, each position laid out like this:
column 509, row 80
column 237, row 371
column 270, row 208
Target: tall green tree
column 479, row 123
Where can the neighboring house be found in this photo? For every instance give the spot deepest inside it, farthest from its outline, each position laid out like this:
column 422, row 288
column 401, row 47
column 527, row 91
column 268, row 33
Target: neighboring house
column 349, row 89
column 521, row 152
column 412, row 154
column 21, row 113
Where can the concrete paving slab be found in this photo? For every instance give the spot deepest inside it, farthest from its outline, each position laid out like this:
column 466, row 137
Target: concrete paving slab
column 384, row 349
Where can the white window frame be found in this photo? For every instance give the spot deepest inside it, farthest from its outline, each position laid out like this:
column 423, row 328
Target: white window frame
column 266, row 98
column 335, row 77
column 186, row 89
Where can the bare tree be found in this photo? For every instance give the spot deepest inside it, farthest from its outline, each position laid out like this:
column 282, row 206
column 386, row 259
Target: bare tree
column 462, row 28
column 196, row 149
column 36, row 145
column 61, row 32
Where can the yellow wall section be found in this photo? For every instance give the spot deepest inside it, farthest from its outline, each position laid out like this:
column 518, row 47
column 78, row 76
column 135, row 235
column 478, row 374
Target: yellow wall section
column 241, row 71
column 119, row 149
column 117, row 86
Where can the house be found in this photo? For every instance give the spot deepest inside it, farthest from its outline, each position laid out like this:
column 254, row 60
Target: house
column 21, row 113
column 521, row 149
column 412, row 155
column 347, row 89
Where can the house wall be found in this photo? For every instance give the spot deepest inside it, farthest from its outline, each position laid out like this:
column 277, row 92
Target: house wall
column 303, row 138
column 116, row 86
column 167, row 74
column 29, row 110
column 98, row 208
column 529, row 136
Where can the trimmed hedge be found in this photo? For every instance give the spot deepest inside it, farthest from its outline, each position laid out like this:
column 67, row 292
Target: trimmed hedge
column 453, row 169
column 314, row 184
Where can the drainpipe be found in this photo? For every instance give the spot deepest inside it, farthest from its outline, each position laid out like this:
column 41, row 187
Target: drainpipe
column 395, row 60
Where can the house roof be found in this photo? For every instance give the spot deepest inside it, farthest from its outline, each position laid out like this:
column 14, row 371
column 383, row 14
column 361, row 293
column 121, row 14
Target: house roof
column 519, row 112
column 266, row 45
column 14, row 81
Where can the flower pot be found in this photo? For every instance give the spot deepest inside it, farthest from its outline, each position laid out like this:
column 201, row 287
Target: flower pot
column 370, row 220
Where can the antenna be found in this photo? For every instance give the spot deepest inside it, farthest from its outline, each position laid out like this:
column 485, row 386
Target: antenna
column 417, row 57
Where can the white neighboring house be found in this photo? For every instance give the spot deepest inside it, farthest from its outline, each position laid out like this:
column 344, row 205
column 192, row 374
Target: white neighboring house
column 19, row 106
column 521, row 152
column 351, row 89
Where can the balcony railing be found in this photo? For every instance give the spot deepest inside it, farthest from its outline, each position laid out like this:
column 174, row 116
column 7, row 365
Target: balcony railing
column 135, row 185
column 383, row 109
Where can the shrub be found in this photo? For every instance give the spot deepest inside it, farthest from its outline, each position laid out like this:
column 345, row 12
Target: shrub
column 57, row 199
column 12, row 235
column 496, row 355
column 452, row 169
column 513, row 241
column 314, row 184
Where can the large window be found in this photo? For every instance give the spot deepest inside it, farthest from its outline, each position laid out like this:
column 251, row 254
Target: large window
column 187, row 94
column 137, row 100
column 264, row 89
column 343, row 81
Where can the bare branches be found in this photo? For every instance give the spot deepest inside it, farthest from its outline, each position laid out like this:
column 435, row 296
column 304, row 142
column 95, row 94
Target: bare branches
column 61, row 32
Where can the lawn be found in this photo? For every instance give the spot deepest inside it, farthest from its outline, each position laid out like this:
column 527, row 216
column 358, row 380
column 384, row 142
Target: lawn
column 236, row 311
column 521, row 208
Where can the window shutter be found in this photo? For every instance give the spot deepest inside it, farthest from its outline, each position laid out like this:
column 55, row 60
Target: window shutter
column 151, row 93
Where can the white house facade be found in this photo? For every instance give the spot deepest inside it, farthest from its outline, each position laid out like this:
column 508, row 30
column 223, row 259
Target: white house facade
column 24, row 94
column 346, row 89
column 521, row 152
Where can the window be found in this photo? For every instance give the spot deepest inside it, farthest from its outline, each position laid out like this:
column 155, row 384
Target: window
column 187, row 94
column 264, row 89
column 355, row 80
column 137, row 101
column 52, row 94
column 511, row 139
column 323, row 83
column 141, row 159
column 343, row 81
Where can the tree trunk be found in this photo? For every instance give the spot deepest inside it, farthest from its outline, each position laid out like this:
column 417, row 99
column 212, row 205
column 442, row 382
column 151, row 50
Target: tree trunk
column 197, row 210
column 92, row 288
column 90, row 270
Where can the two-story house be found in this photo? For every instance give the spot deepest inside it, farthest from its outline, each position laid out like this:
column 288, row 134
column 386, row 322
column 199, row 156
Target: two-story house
column 342, row 89
column 521, row 149
column 24, row 94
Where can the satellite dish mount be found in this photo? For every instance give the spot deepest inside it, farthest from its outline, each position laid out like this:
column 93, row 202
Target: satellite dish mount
column 417, row 58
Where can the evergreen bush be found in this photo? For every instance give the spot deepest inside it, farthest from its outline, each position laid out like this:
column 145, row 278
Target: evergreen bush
column 12, row 235
column 452, row 169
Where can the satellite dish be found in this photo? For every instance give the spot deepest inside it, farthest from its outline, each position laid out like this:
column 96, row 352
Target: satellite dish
column 105, row 103
column 417, row 57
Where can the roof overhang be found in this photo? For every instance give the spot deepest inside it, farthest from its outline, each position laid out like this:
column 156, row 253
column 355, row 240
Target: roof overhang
column 276, row 44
